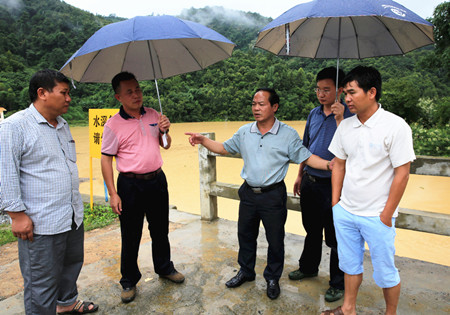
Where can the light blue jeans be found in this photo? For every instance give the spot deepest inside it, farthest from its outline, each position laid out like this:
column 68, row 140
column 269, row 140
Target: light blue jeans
column 351, row 233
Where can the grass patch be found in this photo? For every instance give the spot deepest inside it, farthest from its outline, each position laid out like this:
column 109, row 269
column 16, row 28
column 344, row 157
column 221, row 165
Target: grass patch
column 98, row 217
column 6, row 235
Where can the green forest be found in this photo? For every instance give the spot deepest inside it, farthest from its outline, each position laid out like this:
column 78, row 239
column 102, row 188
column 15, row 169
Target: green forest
column 37, row 34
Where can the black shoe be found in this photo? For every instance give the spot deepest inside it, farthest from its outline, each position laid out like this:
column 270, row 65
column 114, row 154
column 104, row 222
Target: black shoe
column 128, row 294
column 273, row 289
column 238, row 279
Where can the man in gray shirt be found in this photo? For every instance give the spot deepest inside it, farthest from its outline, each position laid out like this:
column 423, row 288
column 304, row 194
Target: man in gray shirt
column 266, row 146
column 39, row 190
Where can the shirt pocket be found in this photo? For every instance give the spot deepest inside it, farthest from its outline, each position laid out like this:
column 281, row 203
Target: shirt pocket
column 154, row 130
column 70, row 151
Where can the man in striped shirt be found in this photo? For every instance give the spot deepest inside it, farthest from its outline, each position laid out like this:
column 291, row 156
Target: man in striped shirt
column 39, row 191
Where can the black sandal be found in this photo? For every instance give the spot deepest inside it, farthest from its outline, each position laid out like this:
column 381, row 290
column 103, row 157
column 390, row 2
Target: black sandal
column 82, row 304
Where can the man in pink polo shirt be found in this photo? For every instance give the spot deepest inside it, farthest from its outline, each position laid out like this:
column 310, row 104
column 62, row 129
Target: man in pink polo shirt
column 133, row 136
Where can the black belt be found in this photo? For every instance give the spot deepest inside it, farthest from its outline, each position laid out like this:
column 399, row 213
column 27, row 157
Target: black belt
column 316, row 179
column 260, row 190
column 146, row 176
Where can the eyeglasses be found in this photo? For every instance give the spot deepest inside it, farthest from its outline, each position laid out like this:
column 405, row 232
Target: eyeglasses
column 319, row 91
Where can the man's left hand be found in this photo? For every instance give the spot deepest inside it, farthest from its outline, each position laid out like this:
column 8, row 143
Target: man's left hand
column 331, row 165
column 387, row 220
column 164, row 123
column 338, row 110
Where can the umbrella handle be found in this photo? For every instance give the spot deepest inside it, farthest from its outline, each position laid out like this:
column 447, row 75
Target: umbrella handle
column 164, row 136
column 164, row 139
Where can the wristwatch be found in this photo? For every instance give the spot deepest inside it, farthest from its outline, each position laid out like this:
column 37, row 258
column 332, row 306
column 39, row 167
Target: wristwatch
column 162, row 132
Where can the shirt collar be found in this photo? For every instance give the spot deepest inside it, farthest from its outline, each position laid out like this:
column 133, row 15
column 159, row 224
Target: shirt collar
column 41, row 120
column 124, row 114
column 371, row 122
column 273, row 130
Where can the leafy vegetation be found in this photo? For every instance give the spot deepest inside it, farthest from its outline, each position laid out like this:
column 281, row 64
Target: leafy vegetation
column 99, row 217
column 45, row 33
column 432, row 141
column 6, row 235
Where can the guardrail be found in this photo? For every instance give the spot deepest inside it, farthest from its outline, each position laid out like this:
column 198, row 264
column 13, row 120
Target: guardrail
column 410, row 219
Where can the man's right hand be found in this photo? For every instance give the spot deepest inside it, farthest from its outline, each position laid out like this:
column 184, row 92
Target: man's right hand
column 116, row 204
column 21, row 226
column 195, row 138
column 338, row 110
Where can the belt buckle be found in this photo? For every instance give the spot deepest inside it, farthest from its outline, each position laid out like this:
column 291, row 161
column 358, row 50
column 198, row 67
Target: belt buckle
column 257, row 190
column 312, row 178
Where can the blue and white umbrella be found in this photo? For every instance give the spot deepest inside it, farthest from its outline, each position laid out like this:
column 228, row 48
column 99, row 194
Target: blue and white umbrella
column 150, row 47
column 346, row 29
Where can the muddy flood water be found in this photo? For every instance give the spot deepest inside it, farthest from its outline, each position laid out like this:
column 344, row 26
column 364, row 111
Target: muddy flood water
column 428, row 193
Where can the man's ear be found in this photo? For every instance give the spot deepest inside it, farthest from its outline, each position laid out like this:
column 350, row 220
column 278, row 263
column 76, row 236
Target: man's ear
column 41, row 93
column 117, row 96
column 372, row 92
column 275, row 107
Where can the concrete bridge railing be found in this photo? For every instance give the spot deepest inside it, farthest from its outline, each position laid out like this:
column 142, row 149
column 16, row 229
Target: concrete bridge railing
column 410, row 219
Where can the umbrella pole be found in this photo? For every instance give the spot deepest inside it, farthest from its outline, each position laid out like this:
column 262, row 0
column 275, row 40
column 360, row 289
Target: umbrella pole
column 288, row 47
column 337, row 66
column 164, row 136
column 159, row 99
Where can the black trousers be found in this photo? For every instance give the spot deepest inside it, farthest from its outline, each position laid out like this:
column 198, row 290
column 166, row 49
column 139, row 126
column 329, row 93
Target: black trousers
column 140, row 198
column 317, row 215
column 270, row 208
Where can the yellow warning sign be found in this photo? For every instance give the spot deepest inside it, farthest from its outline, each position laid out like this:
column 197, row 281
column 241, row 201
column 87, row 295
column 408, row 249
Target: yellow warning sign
column 97, row 120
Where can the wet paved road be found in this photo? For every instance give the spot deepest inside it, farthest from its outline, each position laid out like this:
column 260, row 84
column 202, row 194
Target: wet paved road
column 206, row 252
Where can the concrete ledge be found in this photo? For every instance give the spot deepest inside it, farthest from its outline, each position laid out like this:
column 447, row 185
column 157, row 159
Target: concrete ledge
column 431, row 165
column 423, row 221
column 416, row 220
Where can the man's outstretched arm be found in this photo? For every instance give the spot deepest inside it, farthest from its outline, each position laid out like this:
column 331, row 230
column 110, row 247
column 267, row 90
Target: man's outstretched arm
column 211, row 145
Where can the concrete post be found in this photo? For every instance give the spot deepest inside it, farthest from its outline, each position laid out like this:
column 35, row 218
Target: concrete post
column 208, row 176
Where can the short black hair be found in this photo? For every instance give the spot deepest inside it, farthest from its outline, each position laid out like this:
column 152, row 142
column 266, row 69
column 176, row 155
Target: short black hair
column 46, row 79
column 366, row 78
column 122, row 76
column 273, row 97
column 330, row 73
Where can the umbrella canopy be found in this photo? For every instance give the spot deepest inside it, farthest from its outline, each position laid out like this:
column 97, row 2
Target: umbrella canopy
column 346, row 29
column 151, row 47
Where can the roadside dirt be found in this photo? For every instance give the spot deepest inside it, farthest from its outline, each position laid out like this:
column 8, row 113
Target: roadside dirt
column 98, row 244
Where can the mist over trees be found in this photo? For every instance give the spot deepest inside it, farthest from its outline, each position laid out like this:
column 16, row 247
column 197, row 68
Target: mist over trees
column 36, row 34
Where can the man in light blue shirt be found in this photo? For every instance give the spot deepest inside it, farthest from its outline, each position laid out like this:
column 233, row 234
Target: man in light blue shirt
column 266, row 146
column 39, row 191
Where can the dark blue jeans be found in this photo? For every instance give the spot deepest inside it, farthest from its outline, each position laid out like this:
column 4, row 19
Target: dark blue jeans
column 270, row 208
column 317, row 216
column 144, row 198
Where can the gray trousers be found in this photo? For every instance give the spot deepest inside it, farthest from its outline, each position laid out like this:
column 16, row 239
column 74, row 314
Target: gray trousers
column 50, row 267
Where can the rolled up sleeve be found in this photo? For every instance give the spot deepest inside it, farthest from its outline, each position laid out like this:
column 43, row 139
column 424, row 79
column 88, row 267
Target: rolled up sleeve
column 11, row 142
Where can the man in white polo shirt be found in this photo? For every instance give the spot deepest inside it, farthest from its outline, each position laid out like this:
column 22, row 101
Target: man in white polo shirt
column 373, row 150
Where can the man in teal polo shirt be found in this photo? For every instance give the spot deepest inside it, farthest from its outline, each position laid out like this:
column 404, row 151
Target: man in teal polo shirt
column 266, row 146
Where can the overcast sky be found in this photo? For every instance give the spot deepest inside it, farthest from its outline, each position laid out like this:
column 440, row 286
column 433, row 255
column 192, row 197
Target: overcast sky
column 268, row 8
